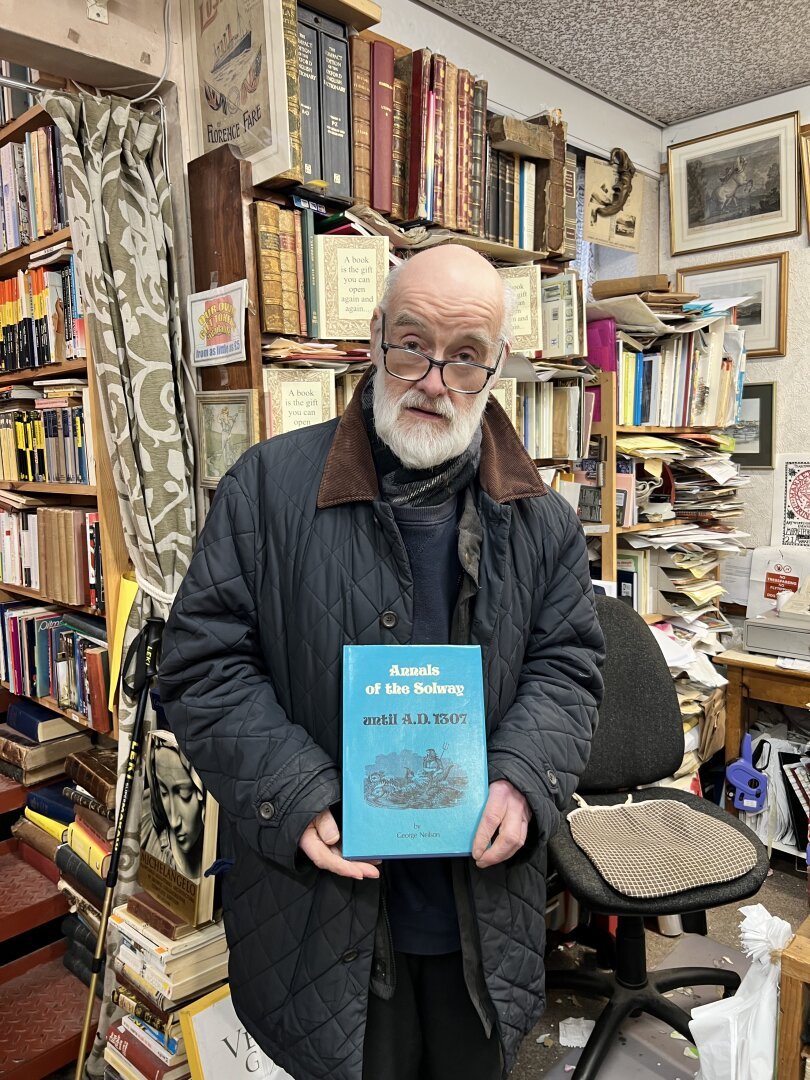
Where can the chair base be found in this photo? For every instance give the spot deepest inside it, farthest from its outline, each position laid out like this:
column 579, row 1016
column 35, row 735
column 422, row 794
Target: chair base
column 630, row 989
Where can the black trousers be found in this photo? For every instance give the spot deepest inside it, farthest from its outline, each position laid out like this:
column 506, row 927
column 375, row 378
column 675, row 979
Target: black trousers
column 429, row 1030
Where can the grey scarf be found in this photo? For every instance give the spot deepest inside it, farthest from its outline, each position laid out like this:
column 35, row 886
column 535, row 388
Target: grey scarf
column 401, row 486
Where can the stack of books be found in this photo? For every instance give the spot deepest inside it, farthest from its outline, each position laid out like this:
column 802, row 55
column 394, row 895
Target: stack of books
column 163, row 965
column 34, row 742
column 33, row 200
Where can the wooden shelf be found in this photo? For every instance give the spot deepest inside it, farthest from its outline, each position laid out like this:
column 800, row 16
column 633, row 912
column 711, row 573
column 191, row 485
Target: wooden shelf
column 27, row 898
column 646, row 430
column 17, row 258
column 650, row 526
column 53, row 705
column 31, row 119
column 46, row 488
column 361, row 14
column 49, row 371
column 13, row 794
column 34, row 595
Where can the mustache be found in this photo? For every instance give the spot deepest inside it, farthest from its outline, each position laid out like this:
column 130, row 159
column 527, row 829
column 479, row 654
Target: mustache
column 415, row 399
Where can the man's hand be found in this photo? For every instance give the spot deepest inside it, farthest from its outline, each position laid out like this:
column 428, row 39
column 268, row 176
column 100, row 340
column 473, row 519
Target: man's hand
column 506, row 813
column 321, row 843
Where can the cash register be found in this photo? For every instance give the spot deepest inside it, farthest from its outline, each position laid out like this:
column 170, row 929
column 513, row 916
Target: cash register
column 777, row 620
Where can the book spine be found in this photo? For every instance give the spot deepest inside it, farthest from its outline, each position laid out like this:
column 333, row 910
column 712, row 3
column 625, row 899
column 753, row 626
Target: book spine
column 477, row 193
column 77, row 966
column 311, row 271
column 136, row 1053
column 335, row 138
column 289, row 18
column 268, row 245
column 146, row 913
column 439, row 159
column 382, row 125
column 310, row 102
column 289, row 271
column 91, row 849
column 450, row 145
column 502, row 220
column 29, row 833
column 129, row 1004
column 151, row 1042
column 399, row 151
column 417, row 160
column 361, row 119
column 15, row 753
column 465, row 117
column 509, row 199
column 71, row 864
column 570, row 196
column 150, row 996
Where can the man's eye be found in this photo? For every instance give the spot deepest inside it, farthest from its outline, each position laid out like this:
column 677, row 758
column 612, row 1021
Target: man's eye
column 467, row 358
column 410, row 344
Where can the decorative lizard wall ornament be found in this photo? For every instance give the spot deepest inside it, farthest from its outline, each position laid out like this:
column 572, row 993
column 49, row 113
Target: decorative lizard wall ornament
column 611, row 200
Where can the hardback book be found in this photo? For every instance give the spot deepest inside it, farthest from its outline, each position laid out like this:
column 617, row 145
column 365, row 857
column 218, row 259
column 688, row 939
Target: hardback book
column 178, row 831
column 570, row 194
column 128, row 1050
column 146, row 909
column 450, row 145
column 79, row 875
column 299, row 397
column 29, row 777
column 399, row 152
column 80, row 904
column 96, row 770
column 195, row 980
column 515, row 136
column 131, row 1004
column 382, row 124
column 268, row 255
column 90, row 847
column 55, row 829
column 414, row 750
column 289, row 272
column 604, row 290
column 82, row 798
column 78, row 962
column 169, row 1050
column 549, row 220
column 20, row 750
column 440, row 162
column 561, row 328
column 360, row 51
column 98, row 687
column 527, row 315
column 36, row 722
column 27, row 832
column 289, row 16
column 477, row 155
column 171, row 956
column 333, row 92
column 100, row 825
column 415, row 70
column 77, row 930
column 310, row 101
column 464, row 160
column 350, row 274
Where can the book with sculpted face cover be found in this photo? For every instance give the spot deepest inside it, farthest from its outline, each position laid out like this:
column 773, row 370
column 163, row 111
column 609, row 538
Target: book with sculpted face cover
column 414, row 750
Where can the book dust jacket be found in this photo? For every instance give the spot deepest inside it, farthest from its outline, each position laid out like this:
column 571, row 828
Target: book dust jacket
column 414, row 750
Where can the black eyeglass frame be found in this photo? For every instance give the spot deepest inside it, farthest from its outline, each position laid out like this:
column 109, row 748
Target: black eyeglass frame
column 440, row 364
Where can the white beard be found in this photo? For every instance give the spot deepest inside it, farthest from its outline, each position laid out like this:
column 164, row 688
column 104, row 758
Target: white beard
column 423, row 444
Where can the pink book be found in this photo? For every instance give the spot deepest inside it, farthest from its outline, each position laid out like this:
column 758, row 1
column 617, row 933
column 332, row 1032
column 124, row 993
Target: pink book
column 602, row 354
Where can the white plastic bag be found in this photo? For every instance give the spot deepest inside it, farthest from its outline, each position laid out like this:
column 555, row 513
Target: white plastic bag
column 736, row 1036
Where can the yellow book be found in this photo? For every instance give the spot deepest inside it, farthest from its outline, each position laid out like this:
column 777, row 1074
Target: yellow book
column 88, row 847
column 54, row 828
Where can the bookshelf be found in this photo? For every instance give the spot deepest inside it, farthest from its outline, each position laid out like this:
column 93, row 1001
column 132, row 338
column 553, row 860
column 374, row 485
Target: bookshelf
column 18, row 258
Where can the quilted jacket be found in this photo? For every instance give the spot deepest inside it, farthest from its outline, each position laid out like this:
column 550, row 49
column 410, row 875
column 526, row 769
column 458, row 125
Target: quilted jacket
column 299, row 556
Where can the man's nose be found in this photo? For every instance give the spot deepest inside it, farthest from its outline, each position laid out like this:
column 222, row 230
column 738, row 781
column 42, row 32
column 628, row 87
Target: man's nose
column 432, row 384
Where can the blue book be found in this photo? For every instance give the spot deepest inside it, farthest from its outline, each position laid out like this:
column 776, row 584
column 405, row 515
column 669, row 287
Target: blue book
column 414, row 750
column 36, row 722
column 52, row 803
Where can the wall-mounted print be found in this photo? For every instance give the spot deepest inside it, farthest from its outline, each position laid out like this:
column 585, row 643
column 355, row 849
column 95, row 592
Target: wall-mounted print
column 735, row 187
column 227, row 425
column 763, row 279
column 239, row 53
column 613, row 202
column 754, row 431
column 805, row 152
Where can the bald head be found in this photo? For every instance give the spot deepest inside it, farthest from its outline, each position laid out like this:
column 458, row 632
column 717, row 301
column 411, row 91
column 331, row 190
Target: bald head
column 451, row 275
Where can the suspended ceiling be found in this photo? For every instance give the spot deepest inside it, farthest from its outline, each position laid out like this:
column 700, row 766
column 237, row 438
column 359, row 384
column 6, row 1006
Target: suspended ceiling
column 666, row 60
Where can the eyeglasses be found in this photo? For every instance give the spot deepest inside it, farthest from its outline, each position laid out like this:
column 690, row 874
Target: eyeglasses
column 411, row 365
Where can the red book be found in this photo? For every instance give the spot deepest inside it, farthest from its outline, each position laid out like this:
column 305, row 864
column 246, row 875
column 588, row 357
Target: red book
column 466, row 90
column 139, row 1055
column 382, row 125
column 439, row 82
column 415, row 68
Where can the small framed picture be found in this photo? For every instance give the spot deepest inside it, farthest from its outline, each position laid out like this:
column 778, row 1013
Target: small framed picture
column 227, row 424
column 763, row 281
column 736, row 186
column 754, row 433
column 804, row 142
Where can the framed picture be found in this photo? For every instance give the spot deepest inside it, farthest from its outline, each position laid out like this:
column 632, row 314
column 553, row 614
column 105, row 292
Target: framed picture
column 621, row 230
column 764, row 280
column 237, row 47
column 736, row 186
column 804, row 141
column 755, row 431
column 227, row 424
column 217, row 1043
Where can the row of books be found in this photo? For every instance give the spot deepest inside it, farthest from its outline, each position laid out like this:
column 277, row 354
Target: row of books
column 58, row 655
column 14, row 103
column 41, row 318
column 35, row 741
column 409, row 134
column 54, row 550
column 32, row 190
column 46, row 444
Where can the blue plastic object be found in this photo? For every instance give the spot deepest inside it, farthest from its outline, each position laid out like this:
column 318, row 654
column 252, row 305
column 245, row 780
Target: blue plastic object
column 750, row 785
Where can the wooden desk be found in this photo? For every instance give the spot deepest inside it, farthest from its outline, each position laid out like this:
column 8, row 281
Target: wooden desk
column 753, row 676
column 792, row 1003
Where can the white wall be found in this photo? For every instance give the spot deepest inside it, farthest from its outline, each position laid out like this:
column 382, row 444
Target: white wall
column 518, row 85
column 791, row 373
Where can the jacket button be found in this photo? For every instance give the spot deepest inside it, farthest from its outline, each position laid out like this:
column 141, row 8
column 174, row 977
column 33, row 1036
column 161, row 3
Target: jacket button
column 389, row 620
column 551, row 777
column 266, row 811
column 349, row 956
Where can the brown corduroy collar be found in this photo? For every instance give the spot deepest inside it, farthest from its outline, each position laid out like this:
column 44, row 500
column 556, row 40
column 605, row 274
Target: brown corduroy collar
column 506, row 471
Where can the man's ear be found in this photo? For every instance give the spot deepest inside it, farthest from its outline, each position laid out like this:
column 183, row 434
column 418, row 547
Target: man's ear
column 376, row 322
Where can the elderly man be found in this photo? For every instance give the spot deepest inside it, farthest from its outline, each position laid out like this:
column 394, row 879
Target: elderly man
column 417, row 519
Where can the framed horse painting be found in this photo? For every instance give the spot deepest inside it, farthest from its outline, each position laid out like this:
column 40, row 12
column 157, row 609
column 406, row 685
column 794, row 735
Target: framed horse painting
column 735, row 187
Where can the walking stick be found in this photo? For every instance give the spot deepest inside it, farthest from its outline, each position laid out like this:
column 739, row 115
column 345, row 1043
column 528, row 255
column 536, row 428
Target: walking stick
column 145, row 651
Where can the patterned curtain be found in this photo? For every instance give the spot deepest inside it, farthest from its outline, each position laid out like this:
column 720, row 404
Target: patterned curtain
column 121, row 224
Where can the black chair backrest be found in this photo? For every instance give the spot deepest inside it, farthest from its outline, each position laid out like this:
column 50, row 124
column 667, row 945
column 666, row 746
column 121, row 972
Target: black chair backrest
column 639, row 738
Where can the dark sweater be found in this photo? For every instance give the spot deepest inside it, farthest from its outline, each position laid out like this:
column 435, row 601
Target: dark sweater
column 421, row 905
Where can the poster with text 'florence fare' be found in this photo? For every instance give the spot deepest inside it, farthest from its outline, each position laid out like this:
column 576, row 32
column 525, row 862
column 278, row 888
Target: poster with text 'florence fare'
column 414, row 750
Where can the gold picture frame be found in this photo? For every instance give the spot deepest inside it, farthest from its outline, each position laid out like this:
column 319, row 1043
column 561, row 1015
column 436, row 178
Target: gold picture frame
column 227, row 425
column 735, row 186
column 804, row 148
column 762, row 277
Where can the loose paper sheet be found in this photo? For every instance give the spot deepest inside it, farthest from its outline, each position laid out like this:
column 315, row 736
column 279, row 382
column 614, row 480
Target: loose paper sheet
column 791, row 501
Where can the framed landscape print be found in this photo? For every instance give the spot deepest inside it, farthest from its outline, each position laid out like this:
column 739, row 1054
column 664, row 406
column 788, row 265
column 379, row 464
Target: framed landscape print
column 755, row 430
column 764, row 279
column 227, row 424
column 736, row 186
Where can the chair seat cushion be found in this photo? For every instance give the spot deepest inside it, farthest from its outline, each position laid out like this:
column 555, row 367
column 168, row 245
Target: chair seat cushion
column 589, row 886
column 657, row 847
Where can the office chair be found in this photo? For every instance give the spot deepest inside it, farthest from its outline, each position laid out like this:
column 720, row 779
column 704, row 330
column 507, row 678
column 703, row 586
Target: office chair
column 639, row 740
